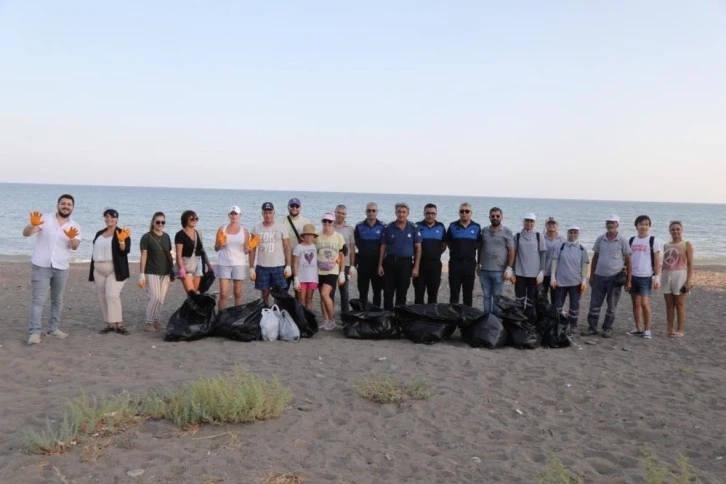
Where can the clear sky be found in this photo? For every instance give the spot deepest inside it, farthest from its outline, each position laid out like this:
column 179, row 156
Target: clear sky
column 565, row 99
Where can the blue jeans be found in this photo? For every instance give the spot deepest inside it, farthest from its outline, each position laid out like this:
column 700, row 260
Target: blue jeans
column 43, row 280
column 492, row 284
column 603, row 290
column 562, row 293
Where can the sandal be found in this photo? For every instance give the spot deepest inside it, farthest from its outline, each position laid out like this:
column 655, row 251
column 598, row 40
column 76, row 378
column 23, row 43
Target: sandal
column 676, row 334
column 122, row 330
column 150, row 327
column 107, row 329
column 157, row 326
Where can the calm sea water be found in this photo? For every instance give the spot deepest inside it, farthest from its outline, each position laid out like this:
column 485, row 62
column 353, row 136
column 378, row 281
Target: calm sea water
column 705, row 224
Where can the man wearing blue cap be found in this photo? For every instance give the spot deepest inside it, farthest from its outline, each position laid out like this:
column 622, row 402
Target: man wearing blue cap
column 294, row 222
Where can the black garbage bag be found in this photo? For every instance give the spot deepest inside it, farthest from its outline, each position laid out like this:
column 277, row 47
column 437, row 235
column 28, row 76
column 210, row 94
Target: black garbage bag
column 522, row 334
column 207, row 281
column 240, row 323
column 487, row 332
column 554, row 328
column 193, row 320
column 428, row 323
column 366, row 321
column 306, row 321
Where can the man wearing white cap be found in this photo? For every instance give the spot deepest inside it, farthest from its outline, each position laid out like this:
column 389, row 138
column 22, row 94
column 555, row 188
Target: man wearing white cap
column 529, row 262
column 231, row 244
column 570, row 264
column 553, row 242
column 611, row 258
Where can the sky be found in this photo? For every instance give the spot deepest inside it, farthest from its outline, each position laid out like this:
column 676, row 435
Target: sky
column 616, row 100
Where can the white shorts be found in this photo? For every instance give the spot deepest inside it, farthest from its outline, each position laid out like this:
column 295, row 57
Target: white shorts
column 237, row 273
column 671, row 282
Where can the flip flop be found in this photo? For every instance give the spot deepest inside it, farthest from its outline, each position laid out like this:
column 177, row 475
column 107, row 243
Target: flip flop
column 677, row 335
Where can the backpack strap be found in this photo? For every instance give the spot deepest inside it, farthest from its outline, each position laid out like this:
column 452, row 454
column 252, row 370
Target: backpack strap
column 652, row 254
column 293, row 228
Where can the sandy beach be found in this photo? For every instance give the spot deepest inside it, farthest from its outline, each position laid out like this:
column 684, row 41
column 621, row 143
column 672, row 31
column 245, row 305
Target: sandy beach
column 494, row 416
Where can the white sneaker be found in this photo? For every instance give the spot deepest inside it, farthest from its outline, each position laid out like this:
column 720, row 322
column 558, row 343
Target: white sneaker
column 58, row 334
column 34, row 339
column 647, row 335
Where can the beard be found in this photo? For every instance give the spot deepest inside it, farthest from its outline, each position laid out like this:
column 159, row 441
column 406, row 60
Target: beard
column 64, row 212
column 495, row 222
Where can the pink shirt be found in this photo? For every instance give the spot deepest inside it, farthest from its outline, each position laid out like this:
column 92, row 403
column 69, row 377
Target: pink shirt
column 674, row 256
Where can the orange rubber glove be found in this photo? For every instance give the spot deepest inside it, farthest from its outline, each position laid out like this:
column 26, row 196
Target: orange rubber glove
column 124, row 234
column 36, row 219
column 221, row 237
column 254, row 241
column 71, row 233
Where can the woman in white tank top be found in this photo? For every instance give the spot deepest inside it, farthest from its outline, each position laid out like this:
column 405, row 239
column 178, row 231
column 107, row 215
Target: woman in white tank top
column 232, row 245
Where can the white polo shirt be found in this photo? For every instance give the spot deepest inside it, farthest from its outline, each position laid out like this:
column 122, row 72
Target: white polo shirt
column 52, row 246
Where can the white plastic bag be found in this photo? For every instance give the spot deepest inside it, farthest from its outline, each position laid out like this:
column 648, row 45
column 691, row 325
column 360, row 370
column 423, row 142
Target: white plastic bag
column 270, row 323
column 288, row 329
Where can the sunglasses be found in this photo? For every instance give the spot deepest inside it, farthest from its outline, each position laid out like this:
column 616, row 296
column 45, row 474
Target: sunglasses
column 371, row 210
column 327, row 221
column 160, row 222
column 430, row 213
column 294, row 205
column 495, row 217
column 193, row 219
column 464, row 211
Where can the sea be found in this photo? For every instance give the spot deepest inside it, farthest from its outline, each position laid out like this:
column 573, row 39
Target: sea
column 704, row 224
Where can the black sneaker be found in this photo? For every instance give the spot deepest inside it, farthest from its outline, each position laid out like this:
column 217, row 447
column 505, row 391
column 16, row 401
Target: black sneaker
column 607, row 333
column 589, row 332
column 635, row 332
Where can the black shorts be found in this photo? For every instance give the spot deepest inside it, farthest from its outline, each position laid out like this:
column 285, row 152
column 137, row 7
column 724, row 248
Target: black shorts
column 329, row 279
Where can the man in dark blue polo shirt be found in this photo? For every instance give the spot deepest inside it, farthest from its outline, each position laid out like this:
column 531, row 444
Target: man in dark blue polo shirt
column 399, row 257
column 368, row 242
column 464, row 241
column 433, row 244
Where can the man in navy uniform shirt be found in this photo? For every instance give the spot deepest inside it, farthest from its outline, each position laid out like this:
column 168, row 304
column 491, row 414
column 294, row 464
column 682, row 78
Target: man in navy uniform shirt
column 464, row 241
column 399, row 257
column 433, row 244
column 368, row 242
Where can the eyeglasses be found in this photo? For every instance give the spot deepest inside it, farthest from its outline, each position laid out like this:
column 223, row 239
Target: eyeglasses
column 464, row 211
column 294, row 205
column 430, row 213
column 160, row 222
column 371, row 210
column 327, row 221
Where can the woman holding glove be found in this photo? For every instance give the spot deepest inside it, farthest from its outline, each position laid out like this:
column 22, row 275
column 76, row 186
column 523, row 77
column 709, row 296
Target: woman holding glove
column 156, row 269
column 110, row 269
column 232, row 245
column 330, row 245
column 190, row 256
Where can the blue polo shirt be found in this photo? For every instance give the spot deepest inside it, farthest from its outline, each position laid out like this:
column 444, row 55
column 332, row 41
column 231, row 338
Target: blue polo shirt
column 431, row 238
column 400, row 242
column 368, row 238
column 463, row 241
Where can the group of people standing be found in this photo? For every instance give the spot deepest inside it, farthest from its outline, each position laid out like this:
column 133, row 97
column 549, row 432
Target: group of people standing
column 288, row 253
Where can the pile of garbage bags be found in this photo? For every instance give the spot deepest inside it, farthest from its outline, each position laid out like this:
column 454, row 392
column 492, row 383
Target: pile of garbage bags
column 198, row 318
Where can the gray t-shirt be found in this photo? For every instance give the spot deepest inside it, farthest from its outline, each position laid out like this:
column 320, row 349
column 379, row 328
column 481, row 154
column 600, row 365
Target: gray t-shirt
column 529, row 260
column 611, row 255
column 270, row 251
column 348, row 234
column 569, row 264
column 495, row 247
column 552, row 245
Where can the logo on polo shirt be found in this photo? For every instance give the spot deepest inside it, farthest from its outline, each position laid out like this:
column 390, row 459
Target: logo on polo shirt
column 409, row 236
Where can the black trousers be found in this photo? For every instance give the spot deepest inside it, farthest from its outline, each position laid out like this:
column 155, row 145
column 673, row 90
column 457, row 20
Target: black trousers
column 368, row 277
column 396, row 279
column 526, row 288
column 462, row 274
column 427, row 282
column 547, row 290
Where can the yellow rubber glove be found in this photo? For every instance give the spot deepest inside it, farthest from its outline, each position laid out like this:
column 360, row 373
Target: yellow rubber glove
column 36, row 219
column 124, row 234
column 254, row 241
column 221, row 237
column 71, row 233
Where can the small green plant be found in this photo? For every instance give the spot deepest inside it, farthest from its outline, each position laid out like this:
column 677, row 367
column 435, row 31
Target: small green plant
column 281, row 478
column 657, row 473
column 390, row 390
column 557, row 473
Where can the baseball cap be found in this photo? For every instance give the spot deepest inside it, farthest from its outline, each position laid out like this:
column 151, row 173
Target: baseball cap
column 613, row 218
column 235, row 209
column 328, row 216
column 573, row 227
column 268, row 206
column 551, row 220
column 294, row 201
column 529, row 216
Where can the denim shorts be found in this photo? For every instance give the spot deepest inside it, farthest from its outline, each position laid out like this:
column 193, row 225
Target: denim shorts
column 270, row 277
column 640, row 286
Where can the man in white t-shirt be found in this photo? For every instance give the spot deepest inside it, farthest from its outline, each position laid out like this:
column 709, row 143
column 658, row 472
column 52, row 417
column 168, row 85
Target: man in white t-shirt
column 645, row 255
column 57, row 236
column 270, row 261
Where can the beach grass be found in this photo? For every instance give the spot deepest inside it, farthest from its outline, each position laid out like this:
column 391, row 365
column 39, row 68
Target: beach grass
column 658, row 473
column 281, row 478
column 237, row 397
column 557, row 473
column 390, row 390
